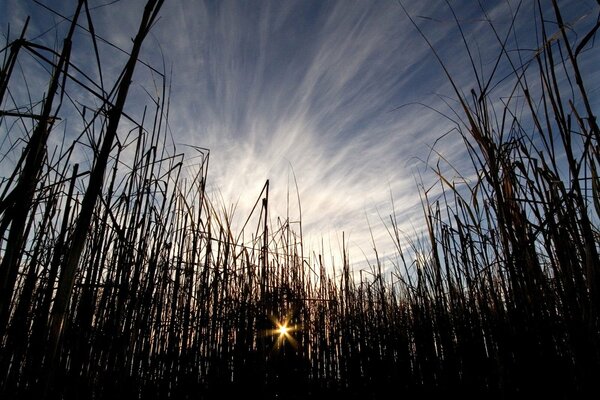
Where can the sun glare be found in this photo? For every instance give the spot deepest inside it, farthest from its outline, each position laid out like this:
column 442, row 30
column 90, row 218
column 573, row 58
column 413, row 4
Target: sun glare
column 283, row 330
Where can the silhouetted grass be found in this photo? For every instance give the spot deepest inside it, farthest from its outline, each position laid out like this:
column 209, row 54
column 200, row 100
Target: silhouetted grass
column 120, row 278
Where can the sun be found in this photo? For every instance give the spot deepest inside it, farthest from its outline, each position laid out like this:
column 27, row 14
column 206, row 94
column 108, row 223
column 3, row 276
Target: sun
column 283, row 329
column 283, row 332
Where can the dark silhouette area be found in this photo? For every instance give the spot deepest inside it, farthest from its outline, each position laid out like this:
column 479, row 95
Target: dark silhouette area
column 121, row 279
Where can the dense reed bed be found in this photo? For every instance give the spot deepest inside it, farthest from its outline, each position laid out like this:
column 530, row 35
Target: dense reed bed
column 121, row 279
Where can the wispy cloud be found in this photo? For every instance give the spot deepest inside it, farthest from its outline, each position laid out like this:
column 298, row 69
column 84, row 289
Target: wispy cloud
column 308, row 86
column 316, row 87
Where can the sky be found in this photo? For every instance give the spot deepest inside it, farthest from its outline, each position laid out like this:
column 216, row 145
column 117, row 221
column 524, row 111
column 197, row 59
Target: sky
column 342, row 98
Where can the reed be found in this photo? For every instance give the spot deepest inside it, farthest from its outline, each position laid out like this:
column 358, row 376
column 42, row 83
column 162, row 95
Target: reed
column 122, row 278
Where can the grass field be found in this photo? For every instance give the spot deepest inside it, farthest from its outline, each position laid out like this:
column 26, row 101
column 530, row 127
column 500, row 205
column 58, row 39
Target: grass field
column 121, row 278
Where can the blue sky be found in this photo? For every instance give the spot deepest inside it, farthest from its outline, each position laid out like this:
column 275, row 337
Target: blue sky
column 327, row 89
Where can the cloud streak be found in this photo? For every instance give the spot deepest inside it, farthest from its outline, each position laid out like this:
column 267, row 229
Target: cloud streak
column 308, row 86
column 319, row 89
column 270, row 86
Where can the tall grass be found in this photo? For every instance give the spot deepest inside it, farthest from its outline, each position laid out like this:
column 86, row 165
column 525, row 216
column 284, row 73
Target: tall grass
column 120, row 278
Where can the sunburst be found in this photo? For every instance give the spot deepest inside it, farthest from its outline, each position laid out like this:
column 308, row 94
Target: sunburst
column 283, row 330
